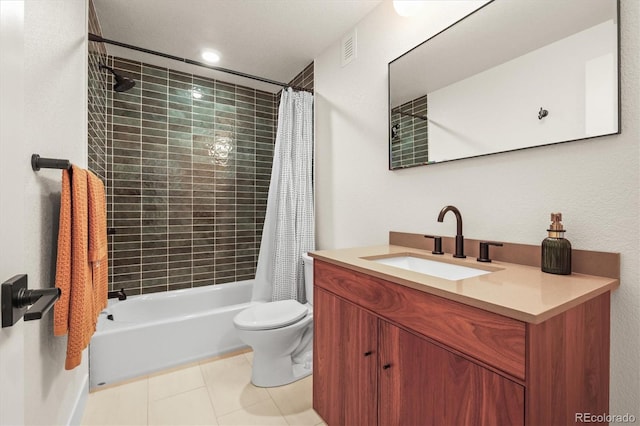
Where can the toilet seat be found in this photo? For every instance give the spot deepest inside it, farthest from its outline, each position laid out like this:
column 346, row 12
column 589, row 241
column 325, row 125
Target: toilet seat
column 271, row 315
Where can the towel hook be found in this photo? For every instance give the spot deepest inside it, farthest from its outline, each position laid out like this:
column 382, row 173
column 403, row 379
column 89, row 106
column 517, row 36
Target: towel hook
column 542, row 113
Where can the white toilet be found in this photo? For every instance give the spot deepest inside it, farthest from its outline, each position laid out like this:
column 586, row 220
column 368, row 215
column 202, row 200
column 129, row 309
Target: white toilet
column 281, row 335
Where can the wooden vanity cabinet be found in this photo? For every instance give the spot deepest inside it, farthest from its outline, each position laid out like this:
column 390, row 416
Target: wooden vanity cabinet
column 373, row 372
column 346, row 390
column 421, row 383
column 376, row 363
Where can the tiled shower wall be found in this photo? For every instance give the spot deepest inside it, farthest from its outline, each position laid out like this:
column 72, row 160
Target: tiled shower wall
column 304, row 79
column 182, row 220
column 410, row 146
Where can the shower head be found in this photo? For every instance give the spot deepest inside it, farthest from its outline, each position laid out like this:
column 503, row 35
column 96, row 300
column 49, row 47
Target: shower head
column 122, row 83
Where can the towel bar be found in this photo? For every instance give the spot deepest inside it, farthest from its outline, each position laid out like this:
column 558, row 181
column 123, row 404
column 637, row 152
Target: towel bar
column 16, row 299
column 38, row 163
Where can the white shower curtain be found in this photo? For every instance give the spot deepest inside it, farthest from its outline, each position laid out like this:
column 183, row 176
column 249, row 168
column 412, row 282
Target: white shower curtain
column 289, row 223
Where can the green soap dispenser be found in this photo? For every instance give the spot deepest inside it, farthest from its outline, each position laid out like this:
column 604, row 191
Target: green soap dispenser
column 556, row 250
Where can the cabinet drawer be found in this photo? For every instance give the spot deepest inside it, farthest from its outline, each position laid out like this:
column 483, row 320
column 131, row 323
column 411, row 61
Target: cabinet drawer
column 491, row 338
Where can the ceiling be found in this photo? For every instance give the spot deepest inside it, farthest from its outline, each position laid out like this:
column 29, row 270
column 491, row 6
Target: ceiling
column 274, row 39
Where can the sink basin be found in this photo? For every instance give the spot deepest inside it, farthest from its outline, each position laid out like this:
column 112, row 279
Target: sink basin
column 434, row 268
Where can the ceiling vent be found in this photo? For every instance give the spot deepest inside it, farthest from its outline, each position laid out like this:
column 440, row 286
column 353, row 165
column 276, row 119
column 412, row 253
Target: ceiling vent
column 349, row 49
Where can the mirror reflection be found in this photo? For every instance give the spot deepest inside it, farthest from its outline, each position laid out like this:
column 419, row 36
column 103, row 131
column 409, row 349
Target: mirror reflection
column 514, row 74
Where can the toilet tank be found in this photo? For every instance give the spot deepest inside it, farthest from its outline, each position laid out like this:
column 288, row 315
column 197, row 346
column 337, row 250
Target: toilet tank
column 308, row 276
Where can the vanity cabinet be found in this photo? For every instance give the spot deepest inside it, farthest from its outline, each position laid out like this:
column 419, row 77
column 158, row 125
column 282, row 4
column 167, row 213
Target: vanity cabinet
column 421, row 383
column 387, row 354
column 345, row 392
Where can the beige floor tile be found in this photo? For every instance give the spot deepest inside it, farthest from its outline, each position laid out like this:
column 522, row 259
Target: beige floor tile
column 175, row 382
column 263, row 413
column 197, row 394
column 229, row 383
column 295, row 402
column 188, row 408
column 119, row 405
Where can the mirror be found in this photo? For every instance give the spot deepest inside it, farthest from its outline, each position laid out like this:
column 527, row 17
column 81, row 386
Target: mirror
column 509, row 76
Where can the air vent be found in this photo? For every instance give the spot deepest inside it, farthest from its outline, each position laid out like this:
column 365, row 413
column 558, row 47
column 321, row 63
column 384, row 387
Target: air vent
column 349, row 48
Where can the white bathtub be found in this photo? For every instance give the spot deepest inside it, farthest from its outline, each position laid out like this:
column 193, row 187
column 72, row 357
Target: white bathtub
column 154, row 332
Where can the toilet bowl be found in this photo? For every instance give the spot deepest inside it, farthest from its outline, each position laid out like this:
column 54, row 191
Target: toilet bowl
column 281, row 335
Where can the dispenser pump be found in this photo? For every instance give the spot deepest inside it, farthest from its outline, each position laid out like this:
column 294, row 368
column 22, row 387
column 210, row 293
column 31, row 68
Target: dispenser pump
column 556, row 230
column 556, row 250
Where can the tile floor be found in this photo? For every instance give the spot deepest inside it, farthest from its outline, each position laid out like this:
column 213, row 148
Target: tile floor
column 217, row 392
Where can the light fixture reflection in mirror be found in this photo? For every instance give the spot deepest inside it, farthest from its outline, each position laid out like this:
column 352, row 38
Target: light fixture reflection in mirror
column 220, row 149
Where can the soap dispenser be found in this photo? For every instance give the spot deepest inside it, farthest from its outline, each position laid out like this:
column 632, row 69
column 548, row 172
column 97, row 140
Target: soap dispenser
column 556, row 250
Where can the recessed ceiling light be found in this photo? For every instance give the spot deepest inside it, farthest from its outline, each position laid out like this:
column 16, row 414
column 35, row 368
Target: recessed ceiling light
column 210, row 56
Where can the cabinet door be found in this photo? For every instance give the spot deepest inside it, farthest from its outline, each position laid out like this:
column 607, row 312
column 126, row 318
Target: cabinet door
column 344, row 361
column 421, row 383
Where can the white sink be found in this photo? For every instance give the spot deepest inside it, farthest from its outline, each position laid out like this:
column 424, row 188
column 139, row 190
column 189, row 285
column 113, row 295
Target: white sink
column 434, row 268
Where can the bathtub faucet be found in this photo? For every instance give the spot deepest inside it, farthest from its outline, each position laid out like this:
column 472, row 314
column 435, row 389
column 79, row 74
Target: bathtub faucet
column 120, row 294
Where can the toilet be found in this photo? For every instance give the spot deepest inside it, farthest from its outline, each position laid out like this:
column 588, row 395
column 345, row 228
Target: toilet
column 281, row 335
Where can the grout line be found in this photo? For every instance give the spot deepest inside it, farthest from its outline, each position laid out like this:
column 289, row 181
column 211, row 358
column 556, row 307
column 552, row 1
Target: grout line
column 148, row 401
column 246, row 407
column 180, row 392
column 192, row 168
column 141, row 208
column 278, row 407
column 215, row 414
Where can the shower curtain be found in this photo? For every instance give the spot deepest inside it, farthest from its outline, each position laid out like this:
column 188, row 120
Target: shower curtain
column 289, row 223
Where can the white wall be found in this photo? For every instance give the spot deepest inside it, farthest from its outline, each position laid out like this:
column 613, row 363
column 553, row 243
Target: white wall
column 594, row 183
column 47, row 114
column 11, row 219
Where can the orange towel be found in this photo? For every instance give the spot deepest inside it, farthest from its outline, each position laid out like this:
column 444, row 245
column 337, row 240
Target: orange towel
column 77, row 309
column 98, row 243
column 63, row 261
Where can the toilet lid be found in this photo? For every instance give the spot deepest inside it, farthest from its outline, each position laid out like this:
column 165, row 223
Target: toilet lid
column 267, row 316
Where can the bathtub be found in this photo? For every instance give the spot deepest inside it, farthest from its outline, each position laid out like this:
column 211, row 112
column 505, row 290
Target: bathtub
column 149, row 333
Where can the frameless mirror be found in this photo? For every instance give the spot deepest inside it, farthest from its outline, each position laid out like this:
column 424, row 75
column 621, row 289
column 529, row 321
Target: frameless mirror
column 513, row 74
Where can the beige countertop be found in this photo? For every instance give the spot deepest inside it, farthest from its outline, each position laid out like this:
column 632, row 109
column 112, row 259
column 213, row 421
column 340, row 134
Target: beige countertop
column 521, row 292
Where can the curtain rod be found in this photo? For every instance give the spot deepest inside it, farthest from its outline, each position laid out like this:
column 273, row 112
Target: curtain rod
column 98, row 39
column 421, row 117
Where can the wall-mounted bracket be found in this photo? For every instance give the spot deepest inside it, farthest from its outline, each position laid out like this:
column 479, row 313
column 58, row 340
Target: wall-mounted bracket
column 38, row 163
column 16, row 299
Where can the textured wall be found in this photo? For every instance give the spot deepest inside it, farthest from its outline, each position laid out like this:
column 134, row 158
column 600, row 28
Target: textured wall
column 594, row 183
column 44, row 111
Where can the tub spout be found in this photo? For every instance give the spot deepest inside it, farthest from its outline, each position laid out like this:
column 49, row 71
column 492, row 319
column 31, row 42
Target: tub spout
column 120, row 294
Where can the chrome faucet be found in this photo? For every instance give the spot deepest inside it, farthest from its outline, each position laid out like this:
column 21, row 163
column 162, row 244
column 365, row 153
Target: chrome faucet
column 459, row 238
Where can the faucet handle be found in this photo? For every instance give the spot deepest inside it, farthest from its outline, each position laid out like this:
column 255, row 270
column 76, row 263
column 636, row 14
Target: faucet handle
column 437, row 244
column 484, row 250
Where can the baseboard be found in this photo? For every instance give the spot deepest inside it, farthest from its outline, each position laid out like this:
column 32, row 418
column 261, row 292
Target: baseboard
column 80, row 403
